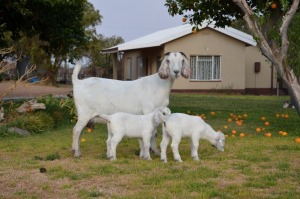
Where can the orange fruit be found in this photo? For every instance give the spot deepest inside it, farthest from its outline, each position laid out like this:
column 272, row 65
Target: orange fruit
column 225, row 127
column 83, row 140
column 212, row 113
column 277, row 115
column 273, row 5
column 89, row 130
column 229, row 120
column 280, row 132
column 297, row 140
column 245, row 115
column 258, row 129
column 263, row 118
column 267, row 123
column 233, row 132
column 242, row 135
column 231, row 115
column 268, row 134
column 284, row 134
column 286, row 116
column 184, row 19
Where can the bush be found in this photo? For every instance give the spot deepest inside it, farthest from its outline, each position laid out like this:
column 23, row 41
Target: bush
column 35, row 123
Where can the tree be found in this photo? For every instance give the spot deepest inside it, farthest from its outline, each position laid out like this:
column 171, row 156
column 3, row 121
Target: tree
column 58, row 23
column 268, row 21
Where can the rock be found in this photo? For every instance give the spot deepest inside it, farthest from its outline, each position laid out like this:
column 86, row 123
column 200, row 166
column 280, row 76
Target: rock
column 18, row 131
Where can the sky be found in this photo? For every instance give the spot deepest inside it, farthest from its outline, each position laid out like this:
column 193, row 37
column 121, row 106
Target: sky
column 131, row 19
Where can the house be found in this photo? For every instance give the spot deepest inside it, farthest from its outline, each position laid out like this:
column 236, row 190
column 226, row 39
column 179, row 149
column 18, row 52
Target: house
column 221, row 59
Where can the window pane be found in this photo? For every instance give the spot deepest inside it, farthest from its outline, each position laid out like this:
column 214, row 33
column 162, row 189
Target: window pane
column 205, row 66
column 193, row 67
column 216, row 67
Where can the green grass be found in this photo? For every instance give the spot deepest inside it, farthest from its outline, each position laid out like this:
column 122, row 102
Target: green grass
column 250, row 167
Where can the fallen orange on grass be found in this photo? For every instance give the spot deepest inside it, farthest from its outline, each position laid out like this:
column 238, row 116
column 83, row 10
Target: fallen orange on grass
column 258, row 129
column 229, row 120
column 242, row 135
column 268, row 134
column 212, row 113
column 297, row 140
column 263, row 118
column 267, row 123
column 284, row 133
column 286, row 116
column 82, row 140
column 233, row 132
column 277, row 115
column 89, row 130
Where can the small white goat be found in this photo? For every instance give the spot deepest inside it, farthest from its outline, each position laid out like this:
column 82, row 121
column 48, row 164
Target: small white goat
column 180, row 125
column 94, row 96
column 133, row 126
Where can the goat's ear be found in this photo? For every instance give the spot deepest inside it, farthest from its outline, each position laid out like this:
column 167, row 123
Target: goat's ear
column 185, row 70
column 163, row 71
column 156, row 118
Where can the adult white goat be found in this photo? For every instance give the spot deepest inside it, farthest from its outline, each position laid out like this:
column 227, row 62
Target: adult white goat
column 94, row 96
column 180, row 125
column 133, row 126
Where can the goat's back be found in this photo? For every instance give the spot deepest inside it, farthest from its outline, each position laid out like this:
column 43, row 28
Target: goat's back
column 180, row 123
column 109, row 96
column 131, row 125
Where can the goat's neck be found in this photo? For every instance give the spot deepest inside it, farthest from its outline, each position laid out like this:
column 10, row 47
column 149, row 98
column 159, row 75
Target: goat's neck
column 210, row 135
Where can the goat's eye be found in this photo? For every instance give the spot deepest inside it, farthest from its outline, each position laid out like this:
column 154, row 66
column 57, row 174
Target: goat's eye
column 168, row 61
column 182, row 61
column 164, row 113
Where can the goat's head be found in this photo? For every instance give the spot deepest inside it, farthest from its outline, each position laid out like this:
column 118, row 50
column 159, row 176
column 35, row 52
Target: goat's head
column 174, row 64
column 161, row 115
column 220, row 141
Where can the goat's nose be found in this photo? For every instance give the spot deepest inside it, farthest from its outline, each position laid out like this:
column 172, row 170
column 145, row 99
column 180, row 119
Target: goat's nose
column 176, row 72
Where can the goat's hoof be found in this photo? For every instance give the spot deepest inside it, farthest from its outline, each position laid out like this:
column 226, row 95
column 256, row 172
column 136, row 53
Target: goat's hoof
column 196, row 159
column 164, row 160
column 179, row 160
column 76, row 154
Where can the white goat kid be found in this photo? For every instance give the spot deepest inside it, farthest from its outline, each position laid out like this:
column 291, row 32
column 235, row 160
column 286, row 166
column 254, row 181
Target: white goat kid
column 94, row 96
column 180, row 125
column 133, row 126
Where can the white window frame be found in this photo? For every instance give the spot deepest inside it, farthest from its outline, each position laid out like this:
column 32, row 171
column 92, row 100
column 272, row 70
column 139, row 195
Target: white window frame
column 205, row 68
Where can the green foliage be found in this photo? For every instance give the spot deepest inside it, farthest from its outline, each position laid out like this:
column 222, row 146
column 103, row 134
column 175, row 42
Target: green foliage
column 36, row 123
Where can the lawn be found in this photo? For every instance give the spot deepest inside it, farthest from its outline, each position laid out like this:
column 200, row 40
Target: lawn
column 252, row 166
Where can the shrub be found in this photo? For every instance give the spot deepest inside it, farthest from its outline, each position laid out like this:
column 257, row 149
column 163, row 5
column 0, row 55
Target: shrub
column 37, row 122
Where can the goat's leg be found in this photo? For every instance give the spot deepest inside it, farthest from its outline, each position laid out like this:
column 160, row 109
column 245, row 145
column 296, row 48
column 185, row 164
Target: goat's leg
column 194, row 143
column 147, row 144
column 142, row 149
column 113, row 145
column 108, row 145
column 163, row 146
column 153, row 143
column 174, row 146
column 81, row 123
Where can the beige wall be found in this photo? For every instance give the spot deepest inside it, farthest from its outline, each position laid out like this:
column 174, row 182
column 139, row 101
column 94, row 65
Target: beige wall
column 237, row 61
column 211, row 42
column 261, row 79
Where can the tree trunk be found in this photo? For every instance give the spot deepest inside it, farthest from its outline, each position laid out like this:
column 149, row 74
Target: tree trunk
column 293, row 88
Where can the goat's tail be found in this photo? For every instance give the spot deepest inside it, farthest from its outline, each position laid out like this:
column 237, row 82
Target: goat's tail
column 105, row 117
column 75, row 73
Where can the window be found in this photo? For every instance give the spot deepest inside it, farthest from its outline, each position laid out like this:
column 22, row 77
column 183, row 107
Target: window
column 142, row 66
column 205, row 68
column 129, row 70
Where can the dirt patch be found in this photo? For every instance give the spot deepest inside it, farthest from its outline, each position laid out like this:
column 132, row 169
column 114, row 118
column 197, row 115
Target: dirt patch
column 28, row 90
